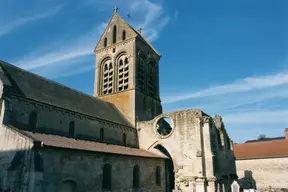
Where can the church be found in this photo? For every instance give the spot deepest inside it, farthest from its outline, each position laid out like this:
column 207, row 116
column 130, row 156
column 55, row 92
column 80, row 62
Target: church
column 54, row 138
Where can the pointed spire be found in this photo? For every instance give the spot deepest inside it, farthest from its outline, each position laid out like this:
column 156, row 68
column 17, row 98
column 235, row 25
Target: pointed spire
column 115, row 9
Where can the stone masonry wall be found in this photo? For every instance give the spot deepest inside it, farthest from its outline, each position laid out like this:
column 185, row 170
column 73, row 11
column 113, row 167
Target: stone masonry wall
column 265, row 172
column 14, row 160
column 85, row 169
column 56, row 121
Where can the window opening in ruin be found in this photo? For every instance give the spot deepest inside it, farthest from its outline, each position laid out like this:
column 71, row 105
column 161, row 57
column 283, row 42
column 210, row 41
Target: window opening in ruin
column 106, row 183
column 164, row 126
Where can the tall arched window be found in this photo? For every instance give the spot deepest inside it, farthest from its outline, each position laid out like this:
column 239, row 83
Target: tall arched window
column 158, row 176
column 123, row 73
column 106, row 182
column 141, row 73
column 68, row 186
column 124, row 138
column 151, row 80
column 72, row 128
column 107, row 77
column 33, row 120
column 105, row 42
column 101, row 135
column 123, row 35
column 114, row 34
column 136, row 176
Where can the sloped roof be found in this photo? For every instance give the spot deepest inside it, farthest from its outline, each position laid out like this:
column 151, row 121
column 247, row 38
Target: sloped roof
column 70, row 143
column 265, row 149
column 32, row 86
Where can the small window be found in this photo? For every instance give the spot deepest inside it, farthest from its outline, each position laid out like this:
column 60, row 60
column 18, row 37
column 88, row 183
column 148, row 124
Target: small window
column 228, row 142
column 33, row 120
column 105, row 42
column 136, row 176
column 158, row 176
column 124, row 138
column 114, row 34
column 101, row 134
column 123, row 35
column 106, row 182
column 72, row 129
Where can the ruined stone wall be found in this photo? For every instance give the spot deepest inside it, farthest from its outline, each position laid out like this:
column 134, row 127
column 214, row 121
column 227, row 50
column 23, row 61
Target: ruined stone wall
column 85, row 169
column 56, row 121
column 224, row 159
column 14, row 160
column 196, row 151
column 264, row 172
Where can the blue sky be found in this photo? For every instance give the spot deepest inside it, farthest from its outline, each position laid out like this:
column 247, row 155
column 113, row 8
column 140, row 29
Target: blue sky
column 225, row 57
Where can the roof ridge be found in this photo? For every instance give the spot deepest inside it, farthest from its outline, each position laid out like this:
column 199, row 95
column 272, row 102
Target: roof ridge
column 54, row 82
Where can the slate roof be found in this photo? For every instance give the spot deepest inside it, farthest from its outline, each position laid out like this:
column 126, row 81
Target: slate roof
column 264, row 149
column 32, row 86
column 70, row 143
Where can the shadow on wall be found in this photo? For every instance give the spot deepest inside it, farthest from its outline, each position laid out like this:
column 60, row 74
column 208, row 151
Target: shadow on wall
column 14, row 164
column 247, row 182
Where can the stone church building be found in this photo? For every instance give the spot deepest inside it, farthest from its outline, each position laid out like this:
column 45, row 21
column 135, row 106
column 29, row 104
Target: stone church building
column 56, row 139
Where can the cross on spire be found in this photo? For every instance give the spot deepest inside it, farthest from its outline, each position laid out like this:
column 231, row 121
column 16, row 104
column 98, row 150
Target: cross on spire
column 115, row 9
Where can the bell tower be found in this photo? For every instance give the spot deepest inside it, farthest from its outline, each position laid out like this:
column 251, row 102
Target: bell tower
column 127, row 71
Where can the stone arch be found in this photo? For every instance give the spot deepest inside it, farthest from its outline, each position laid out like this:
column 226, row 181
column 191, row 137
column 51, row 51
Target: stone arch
column 122, row 68
column 107, row 70
column 68, row 186
column 169, row 167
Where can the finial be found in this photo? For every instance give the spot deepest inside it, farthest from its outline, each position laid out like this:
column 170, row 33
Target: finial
column 115, row 9
column 140, row 30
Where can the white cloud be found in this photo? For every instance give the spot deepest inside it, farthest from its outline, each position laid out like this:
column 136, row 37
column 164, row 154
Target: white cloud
column 258, row 117
column 12, row 25
column 242, row 85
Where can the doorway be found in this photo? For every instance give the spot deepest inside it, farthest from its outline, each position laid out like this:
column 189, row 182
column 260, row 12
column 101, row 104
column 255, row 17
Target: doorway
column 169, row 169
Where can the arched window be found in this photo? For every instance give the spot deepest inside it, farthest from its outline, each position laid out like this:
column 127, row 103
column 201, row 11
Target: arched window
column 124, row 138
column 123, row 35
column 107, row 77
column 72, row 129
column 101, row 134
column 158, row 176
column 33, row 120
column 151, row 80
column 68, row 186
column 123, row 73
column 106, row 182
column 136, row 176
column 105, row 42
column 114, row 34
column 141, row 73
